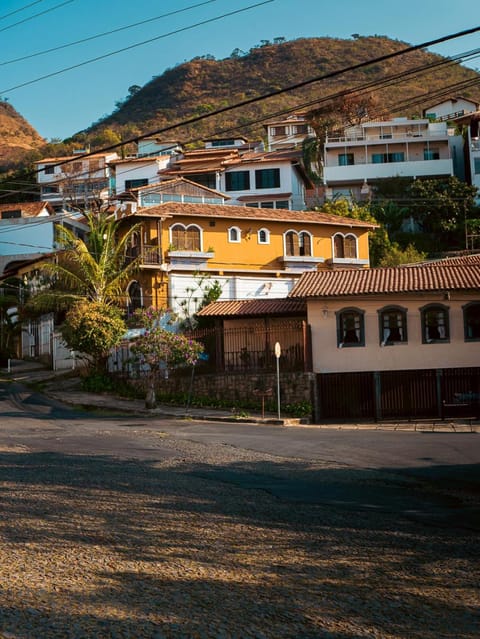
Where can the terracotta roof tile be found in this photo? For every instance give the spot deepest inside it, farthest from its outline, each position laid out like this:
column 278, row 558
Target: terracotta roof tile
column 28, row 209
column 230, row 211
column 282, row 306
column 416, row 278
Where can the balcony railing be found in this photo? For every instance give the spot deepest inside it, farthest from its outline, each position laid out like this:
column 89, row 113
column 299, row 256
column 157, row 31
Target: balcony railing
column 387, row 137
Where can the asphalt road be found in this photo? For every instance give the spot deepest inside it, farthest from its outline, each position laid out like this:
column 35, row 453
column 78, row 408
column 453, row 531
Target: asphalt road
column 433, row 477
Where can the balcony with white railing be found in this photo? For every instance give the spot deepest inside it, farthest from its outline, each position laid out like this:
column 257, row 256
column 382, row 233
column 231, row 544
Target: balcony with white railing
column 372, row 171
column 405, row 137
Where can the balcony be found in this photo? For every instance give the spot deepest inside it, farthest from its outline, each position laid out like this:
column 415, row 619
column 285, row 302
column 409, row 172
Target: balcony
column 370, row 171
column 363, row 138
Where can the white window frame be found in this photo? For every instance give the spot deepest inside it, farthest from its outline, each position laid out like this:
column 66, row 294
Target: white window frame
column 237, row 232
column 267, row 236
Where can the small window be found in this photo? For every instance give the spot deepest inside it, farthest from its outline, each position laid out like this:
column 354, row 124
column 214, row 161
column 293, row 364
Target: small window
column 393, row 326
column 237, row 181
column 471, row 319
column 431, row 154
column 263, row 236
column 49, row 170
column 435, row 325
column 476, row 166
column 234, row 234
column 267, row 178
column 350, row 328
column 345, row 159
column 135, row 184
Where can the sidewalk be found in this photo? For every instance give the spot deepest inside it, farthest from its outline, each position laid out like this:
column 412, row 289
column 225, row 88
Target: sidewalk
column 60, row 386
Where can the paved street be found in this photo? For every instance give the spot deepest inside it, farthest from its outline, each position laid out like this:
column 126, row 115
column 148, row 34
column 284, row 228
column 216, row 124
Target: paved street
column 137, row 526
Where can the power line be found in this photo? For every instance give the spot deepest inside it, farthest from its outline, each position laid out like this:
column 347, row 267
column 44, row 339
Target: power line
column 106, row 33
column 326, row 76
column 36, row 15
column 370, row 85
column 134, row 46
column 7, row 15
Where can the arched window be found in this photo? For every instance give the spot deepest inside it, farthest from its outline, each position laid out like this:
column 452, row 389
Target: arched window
column 345, row 246
column 135, row 297
column 435, row 324
column 471, row 321
column 186, row 238
column 350, row 327
column 393, row 325
column 234, row 234
column 298, row 244
column 263, row 236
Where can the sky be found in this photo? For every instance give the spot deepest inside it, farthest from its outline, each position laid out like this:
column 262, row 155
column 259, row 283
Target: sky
column 174, row 31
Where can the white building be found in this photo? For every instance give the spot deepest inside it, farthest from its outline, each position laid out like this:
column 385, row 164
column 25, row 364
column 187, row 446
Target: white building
column 377, row 150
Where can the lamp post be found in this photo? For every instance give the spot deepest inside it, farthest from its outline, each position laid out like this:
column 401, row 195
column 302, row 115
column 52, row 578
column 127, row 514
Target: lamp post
column 278, row 352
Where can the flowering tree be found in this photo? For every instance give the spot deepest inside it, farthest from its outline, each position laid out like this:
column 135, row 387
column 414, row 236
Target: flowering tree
column 161, row 349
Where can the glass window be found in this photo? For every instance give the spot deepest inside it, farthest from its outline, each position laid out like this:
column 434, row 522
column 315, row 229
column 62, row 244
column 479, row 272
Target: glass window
column 476, row 165
column 345, row 159
column 431, row 154
column 393, row 326
column 282, row 204
column 471, row 319
column 435, row 325
column 185, row 239
column 267, row 178
column 263, row 236
column 237, row 181
column 204, row 179
column 48, row 170
column 350, row 328
column 135, row 184
column 234, row 234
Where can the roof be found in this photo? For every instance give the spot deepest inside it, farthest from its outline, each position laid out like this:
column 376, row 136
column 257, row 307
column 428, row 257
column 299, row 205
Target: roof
column 28, row 209
column 142, row 160
column 419, row 278
column 164, row 185
column 230, row 211
column 236, row 308
column 80, row 156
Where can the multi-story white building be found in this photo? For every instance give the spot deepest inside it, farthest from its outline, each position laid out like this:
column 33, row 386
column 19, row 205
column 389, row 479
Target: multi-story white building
column 75, row 181
column 373, row 151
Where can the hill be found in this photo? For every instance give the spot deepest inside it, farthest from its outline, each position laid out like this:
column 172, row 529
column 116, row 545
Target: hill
column 204, row 84
column 17, row 137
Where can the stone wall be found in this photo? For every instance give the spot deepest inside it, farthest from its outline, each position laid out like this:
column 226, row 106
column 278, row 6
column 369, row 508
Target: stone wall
column 295, row 388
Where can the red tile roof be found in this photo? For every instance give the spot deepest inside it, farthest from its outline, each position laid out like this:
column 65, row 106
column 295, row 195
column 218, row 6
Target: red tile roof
column 435, row 276
column 28, row 209
column 230, row 211
column 282, row 306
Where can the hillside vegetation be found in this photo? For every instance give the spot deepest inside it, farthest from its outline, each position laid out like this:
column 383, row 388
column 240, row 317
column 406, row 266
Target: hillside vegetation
column 17, row 136
column 205, row 84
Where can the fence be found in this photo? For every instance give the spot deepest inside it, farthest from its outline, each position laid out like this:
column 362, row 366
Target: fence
column 252, row 348
column 413, row 394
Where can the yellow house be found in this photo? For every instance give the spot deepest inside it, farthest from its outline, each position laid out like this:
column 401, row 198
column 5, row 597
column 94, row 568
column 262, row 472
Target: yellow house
column 250, row 252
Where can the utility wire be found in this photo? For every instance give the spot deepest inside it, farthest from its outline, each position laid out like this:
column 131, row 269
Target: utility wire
column 260, row 98
column 317, row 101
column 106, row 33
column 134, row 46
column 36, row 15
column 27, row 6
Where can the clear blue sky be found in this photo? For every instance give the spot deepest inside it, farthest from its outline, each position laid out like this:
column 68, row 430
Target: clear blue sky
column 68, row 102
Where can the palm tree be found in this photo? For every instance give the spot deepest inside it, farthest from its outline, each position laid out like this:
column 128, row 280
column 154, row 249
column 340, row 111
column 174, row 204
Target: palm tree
column 92, row 270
